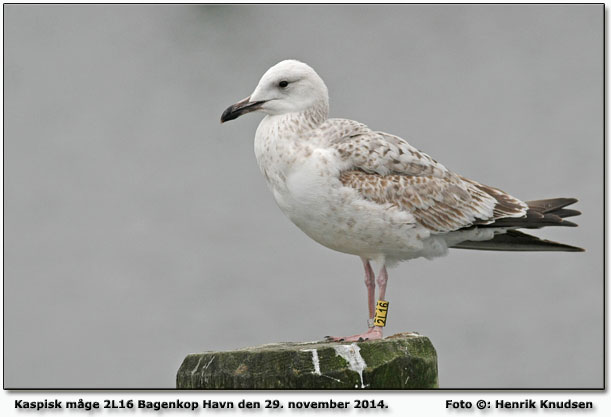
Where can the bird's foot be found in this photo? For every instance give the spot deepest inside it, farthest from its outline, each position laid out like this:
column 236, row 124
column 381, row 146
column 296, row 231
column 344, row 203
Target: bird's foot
column 374, row 333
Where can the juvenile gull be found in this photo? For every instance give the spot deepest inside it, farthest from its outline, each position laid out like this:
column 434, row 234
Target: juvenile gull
column 372, row 194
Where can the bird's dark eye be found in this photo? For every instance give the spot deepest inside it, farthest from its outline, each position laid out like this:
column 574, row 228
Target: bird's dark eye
column 283, row 84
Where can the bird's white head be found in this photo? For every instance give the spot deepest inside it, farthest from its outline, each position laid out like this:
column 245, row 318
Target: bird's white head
column 288, row 87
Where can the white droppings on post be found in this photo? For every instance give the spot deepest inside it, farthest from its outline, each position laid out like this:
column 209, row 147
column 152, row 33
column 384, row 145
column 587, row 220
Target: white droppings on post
column 351, row 353
column 196, row 366
column 208, row 364
column 315, row 360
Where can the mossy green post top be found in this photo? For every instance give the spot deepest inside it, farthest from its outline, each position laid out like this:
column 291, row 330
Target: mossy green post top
column 402, row 361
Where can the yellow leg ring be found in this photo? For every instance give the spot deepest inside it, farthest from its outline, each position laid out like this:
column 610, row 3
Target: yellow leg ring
column 381, row 313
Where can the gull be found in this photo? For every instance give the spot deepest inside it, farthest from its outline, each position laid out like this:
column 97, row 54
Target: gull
column 372, row 194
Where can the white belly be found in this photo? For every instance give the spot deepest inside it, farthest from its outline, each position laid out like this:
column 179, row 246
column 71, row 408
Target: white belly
column 337, row 217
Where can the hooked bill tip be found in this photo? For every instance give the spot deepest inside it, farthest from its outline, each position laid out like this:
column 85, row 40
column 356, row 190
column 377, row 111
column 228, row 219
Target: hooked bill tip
column 238, row 109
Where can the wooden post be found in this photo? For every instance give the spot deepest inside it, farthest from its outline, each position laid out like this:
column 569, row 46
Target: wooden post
column 402, row 361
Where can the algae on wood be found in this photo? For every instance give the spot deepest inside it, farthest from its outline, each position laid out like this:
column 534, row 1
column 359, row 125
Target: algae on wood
column 402, row 361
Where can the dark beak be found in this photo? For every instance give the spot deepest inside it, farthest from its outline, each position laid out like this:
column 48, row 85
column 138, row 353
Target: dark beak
column 241, row 107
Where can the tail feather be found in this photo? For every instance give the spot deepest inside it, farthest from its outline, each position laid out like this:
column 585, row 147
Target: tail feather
column 541, row 213
column 514, row 240
column 563, row 213
column 551, row 204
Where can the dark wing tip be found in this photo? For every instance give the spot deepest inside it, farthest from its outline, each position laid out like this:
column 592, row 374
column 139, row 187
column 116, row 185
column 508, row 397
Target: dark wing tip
column 567, row 213
column 551, row 204
column 568, row 223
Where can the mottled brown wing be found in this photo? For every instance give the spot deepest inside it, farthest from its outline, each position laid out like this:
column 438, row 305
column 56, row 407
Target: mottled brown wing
column 506, row 206
column 387, row 170
column 439, row 204
column 386, row 154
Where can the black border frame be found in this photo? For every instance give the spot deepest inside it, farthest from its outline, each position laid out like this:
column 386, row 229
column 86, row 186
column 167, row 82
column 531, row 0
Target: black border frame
column 605, row 172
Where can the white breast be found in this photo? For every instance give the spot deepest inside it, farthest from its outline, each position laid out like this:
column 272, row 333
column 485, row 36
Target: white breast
column 297, row 171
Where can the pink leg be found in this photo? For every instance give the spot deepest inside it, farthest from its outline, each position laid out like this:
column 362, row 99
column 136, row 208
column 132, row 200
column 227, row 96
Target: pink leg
column 376, row 331
column 382, row 280
column 370, row 283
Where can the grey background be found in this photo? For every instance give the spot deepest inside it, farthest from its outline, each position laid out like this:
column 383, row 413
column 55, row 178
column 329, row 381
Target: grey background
column 138, row 229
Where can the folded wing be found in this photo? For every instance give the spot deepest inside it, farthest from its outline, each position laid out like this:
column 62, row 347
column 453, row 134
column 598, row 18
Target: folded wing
column 387, row 170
